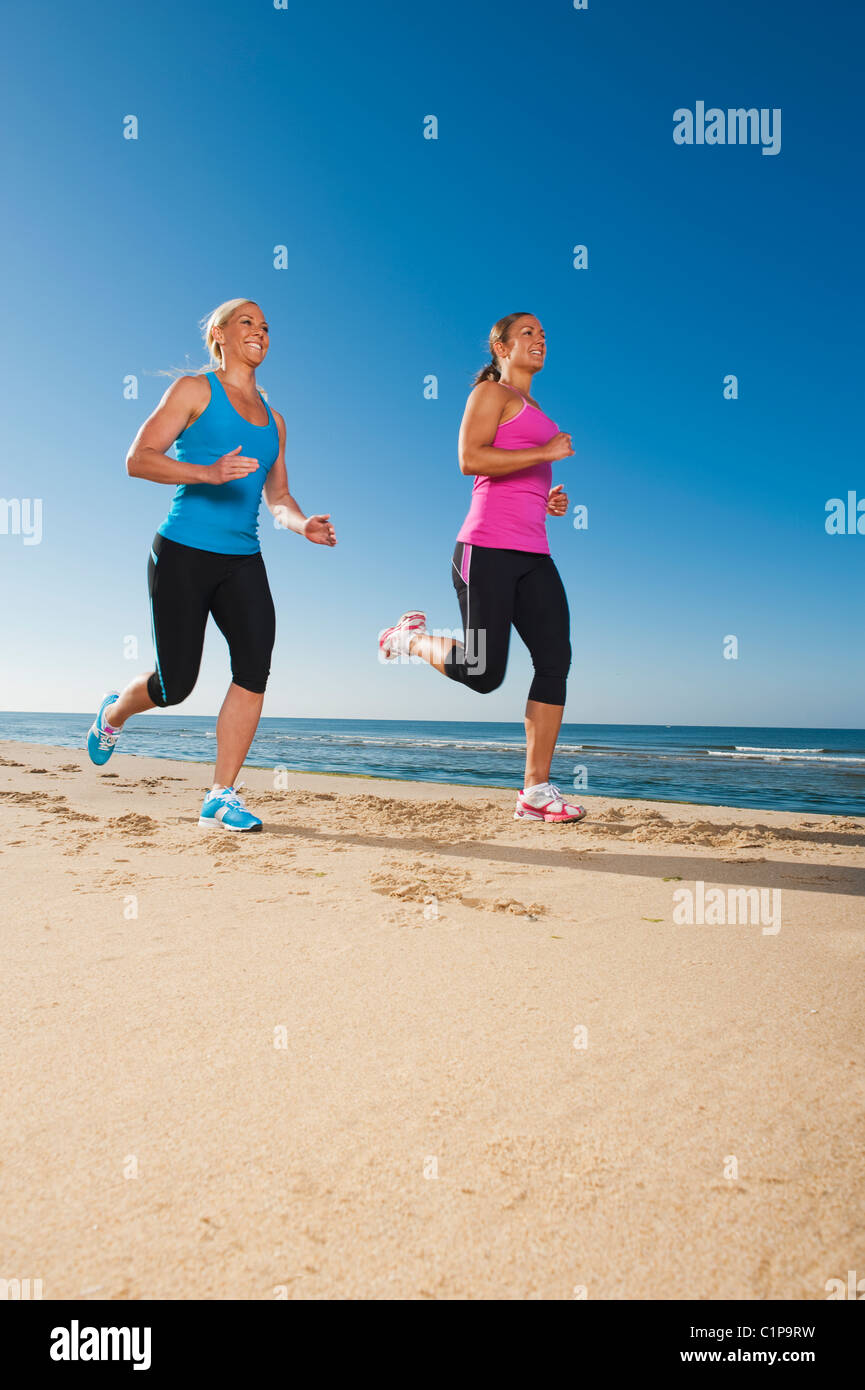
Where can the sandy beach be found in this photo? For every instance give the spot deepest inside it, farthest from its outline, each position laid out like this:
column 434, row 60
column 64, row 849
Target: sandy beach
column 399, row 1045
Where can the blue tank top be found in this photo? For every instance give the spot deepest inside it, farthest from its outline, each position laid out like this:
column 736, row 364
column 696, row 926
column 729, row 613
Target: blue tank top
column 221, row 517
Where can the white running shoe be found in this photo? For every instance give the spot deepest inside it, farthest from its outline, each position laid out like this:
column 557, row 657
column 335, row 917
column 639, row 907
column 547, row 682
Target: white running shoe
column 394, row 641
column 546, row 803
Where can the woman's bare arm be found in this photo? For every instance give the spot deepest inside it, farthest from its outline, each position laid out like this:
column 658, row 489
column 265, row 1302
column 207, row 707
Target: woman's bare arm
column 285, row 508
column 478, row 457
column 147, row 457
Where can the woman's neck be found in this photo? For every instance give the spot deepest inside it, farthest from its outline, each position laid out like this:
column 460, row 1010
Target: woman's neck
column 241, row 379
column 519, row 381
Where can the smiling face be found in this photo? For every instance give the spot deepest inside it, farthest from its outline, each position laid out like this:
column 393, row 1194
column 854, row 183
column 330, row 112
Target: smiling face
column 526, row 347
column 245, row 337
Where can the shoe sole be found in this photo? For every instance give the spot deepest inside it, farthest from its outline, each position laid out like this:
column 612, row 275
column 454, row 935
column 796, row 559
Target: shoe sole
column 211, row 823
column 385, row 650
column 528, row 815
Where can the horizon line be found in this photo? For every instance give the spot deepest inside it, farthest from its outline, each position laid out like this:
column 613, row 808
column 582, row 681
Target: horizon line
column 371, row 719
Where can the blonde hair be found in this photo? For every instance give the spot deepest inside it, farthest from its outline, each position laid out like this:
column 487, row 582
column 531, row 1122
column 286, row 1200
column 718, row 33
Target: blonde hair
column 217, row 318
column 499, row 333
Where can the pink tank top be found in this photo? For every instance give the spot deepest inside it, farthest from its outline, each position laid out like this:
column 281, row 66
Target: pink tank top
column 510, row 513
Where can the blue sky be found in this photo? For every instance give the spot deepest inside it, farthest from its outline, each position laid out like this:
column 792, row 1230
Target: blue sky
column 304, row 127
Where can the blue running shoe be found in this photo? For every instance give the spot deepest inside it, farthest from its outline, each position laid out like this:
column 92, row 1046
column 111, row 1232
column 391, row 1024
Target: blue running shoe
column 101, row 741
column 225, row 809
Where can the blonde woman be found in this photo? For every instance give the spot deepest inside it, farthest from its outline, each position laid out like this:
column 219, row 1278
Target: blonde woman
column 205, row 558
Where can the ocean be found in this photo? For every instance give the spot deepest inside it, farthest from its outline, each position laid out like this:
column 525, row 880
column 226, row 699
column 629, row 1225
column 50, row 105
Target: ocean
column 818, row 770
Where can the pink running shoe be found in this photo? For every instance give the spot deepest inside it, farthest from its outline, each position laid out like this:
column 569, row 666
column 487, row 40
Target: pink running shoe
column 547, row 803
column 393, row 641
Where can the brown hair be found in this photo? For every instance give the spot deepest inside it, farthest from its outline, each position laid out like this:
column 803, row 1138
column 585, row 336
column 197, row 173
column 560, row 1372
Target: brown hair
column 499, row 333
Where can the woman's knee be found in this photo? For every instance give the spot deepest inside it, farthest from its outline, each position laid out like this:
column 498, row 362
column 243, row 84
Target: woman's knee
column 164, row 693
column 551, row 676
column 486, row 683
column 473, row 670
column 481, row 678
column 548, row 690
column 250, row 659
column 253, row 681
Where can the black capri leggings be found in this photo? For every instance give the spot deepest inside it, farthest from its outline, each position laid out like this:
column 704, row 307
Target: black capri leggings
column 185, row 586
column 497, row 588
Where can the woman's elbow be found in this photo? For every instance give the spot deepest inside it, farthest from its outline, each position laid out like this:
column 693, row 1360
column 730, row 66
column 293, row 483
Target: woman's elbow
column 132, row 464
column 467, row 463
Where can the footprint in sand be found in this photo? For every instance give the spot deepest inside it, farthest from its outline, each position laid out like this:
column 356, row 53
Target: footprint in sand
column 442, row 885
column 133, row 824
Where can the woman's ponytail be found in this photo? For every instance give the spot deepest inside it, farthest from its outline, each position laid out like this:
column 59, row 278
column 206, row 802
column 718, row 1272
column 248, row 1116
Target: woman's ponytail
column 217, row 318
column 491, row 372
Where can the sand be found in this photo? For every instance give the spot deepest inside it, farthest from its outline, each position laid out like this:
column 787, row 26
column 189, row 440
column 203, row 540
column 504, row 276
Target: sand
column 345, row 1057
